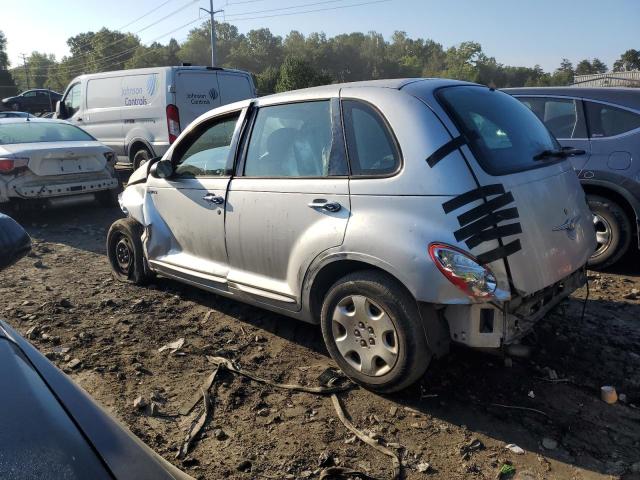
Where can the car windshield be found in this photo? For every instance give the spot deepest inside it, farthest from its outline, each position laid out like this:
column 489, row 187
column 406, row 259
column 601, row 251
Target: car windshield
column 37, row 132
column 503, row 134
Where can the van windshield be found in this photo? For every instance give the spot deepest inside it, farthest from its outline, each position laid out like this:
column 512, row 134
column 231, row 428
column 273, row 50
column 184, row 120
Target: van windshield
column 504, row 135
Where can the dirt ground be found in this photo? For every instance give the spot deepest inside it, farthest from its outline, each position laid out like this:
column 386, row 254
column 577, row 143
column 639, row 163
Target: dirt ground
column 65, row 290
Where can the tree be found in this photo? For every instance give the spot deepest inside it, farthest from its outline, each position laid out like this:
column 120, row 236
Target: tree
column 39, row 66
column 4, row 58
column 296, row 73
column 598, row 66
column 584, row 67
column 629, row 60
column 563, row 74
column 267, row 80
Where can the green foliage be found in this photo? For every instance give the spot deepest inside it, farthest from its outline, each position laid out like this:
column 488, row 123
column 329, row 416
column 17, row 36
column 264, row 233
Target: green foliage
column 7, row 84
column 4, row 59
column 629, row 60
column 267, row 80
column 296, row 73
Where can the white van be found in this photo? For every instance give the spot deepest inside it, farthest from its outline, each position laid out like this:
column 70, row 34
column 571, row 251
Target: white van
column 140, row 112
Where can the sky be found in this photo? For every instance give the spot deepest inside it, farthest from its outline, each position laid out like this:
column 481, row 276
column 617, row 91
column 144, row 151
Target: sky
column 515, row 32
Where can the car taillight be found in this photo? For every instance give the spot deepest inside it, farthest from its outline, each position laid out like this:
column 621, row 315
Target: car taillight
column 463, row 270
column 11, row 165
column 110, row 157
column 173, row 122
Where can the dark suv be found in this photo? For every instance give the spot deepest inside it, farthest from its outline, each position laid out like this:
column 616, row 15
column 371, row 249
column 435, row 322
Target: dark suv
column 33, row 101
column 605, row 122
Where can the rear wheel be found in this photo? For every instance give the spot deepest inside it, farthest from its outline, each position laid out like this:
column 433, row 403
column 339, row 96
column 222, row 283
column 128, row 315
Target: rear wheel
column 613, row 232
column 373, row 331
column 140, row 157
column 124, row 249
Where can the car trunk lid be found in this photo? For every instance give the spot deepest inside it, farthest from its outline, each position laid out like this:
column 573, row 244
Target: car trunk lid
column 60, row 158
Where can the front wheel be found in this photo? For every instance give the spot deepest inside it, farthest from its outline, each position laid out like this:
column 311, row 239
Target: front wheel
column 613, row 232
column 373, row 331
column 124, row 249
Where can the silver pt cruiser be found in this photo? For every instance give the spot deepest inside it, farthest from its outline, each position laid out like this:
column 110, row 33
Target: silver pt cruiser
column 400, row 215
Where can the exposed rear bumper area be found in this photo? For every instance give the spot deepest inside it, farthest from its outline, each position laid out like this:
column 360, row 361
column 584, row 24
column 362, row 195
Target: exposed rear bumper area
column 47, row 190
column 494, row 325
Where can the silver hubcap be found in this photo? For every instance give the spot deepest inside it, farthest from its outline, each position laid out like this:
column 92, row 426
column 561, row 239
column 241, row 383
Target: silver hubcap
column 365, row 335
column 603, row 234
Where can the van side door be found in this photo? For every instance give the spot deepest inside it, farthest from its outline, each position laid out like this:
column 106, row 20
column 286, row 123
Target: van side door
column 289, row 201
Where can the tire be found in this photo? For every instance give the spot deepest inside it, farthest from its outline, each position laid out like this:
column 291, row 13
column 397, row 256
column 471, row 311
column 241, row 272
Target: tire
column 613, row 231
column 140, row 157
column 391, row 320
column 124, row 249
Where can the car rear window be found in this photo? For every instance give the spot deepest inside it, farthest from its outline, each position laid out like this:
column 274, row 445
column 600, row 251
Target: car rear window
column 503, row 134
column 37, row 132
column 608, row 121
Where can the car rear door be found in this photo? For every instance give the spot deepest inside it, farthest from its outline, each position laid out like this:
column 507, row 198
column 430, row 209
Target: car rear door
column 532, row 212
column 186, row 211
column 290, row 200
column 565, row 118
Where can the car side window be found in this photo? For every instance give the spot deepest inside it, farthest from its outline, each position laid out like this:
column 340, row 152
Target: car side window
column 29, row 94
column 291, row 140
column 206, row 155
column 607, row 121
column 72, row 100
column 371, row 147
column 562, row 116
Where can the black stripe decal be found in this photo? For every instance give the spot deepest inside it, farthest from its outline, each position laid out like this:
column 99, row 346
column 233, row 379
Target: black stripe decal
column 494, row 234
column 445, row 150
column 485, row 222
column 500, row 252
column 485, row 209
column 471, row 196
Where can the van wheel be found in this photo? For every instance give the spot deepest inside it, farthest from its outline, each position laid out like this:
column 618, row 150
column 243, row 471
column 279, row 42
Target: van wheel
column 613, row 232
column 124, row 249
column 141, row 157
column 373, row 331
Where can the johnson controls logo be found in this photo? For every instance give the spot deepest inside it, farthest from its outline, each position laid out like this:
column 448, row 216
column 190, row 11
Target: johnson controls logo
column 213, row 94
column 138, row 96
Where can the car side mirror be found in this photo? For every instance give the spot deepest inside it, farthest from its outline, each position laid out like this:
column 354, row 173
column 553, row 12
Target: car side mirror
column 161, row 169
column 15, row 243
column 60, row 110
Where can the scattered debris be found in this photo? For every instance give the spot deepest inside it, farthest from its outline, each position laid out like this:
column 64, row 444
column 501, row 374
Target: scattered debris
column 173, row 347
column 393, row 410
column 520, row 408
column 608, row 394
column 139, row 403
column 196, row 426
column 475, row 445
column 244, row 466
column 531, row 394
column 622, row 397
column 514, row 448
column 632, row 295
column 506, row 470
column 423, row 467
column 219, row 434
column 73, row 364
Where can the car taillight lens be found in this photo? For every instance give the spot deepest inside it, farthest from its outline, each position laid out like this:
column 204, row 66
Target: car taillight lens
column 463, row 270
column 173, row 122
column 110, row 157
column 11, row 165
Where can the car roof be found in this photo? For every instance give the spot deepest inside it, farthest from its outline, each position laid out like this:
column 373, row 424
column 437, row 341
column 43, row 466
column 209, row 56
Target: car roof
column 628, row 97
column 393, row 83
column 30, row 120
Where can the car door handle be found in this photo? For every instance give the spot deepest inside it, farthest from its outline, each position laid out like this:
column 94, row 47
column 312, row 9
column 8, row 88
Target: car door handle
column 323, row 204
column 212, row 198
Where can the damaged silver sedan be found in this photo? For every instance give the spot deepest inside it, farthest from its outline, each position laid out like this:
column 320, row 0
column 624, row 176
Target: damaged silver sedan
column 51, row 162
column 399, row 215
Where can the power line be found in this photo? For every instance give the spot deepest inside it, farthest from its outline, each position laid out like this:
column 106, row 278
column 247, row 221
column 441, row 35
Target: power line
column 285, row 8
column 305, row 11
column 145, row 15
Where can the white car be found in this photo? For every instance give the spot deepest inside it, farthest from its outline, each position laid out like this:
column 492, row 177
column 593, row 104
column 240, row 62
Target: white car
column 52, row 161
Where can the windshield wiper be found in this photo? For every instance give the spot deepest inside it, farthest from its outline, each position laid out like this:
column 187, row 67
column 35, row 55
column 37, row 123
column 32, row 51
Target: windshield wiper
column 563, row 152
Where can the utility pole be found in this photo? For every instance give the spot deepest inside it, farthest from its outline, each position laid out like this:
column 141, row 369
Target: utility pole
column 26, row 70
column 212, row 12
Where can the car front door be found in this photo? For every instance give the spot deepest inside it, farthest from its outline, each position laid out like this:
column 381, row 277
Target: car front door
column 565, row 118
column 290, row 200
column 72, row 102
column 187, row 210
